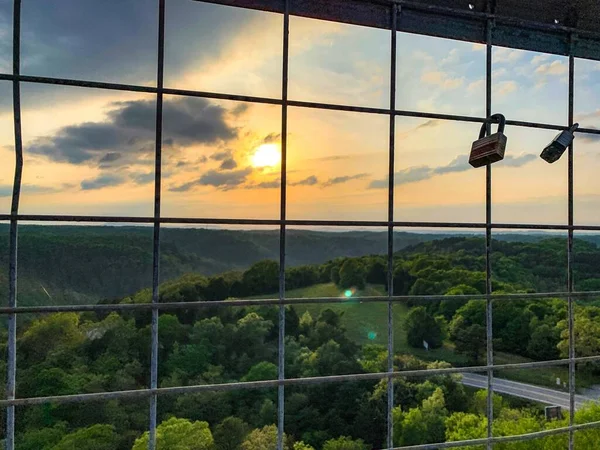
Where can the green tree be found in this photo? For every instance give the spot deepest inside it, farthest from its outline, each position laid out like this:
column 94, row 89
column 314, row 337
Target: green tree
column 424, row 425
column 543, row 344
column 352, row 274
column 470, row 340
column 230, row 433
column 261, row 278
column 345, row 443
column 96, row 437
column 421, row 326
column 42, row 438
column 300, row 445
column 263, row 439
column 176, row 434
column 262, row 371
column 463, row 426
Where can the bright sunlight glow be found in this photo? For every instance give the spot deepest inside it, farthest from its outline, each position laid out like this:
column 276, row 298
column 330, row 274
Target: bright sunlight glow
column 267, row 155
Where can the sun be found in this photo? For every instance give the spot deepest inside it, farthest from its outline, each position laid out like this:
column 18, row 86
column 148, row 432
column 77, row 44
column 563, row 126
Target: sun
column 266, row 155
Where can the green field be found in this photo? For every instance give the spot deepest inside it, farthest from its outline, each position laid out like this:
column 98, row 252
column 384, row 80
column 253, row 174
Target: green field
column 366, row 323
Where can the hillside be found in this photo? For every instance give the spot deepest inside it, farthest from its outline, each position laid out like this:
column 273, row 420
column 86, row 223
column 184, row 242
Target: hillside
column 68, row 353
column 87, row 264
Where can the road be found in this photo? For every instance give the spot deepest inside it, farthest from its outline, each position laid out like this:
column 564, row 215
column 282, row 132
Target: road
column 526, row 391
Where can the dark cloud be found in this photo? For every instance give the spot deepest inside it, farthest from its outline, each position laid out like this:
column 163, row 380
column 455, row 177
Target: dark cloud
column 310, row 181
column 265, row 185
column 130, row 132
column 344, row 179
column 228, row 164
column 220, row 180
column 272, row 137
column 240, row 109
column 110, row 157
column 221, row 156
column 102, row 181
column 427, row 124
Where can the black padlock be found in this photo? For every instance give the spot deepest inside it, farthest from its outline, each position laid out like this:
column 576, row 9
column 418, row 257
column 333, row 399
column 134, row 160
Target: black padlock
column 490, row 149
column 559, row 144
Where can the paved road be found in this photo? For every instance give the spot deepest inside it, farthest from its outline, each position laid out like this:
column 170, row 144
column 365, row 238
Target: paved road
column 526, row 391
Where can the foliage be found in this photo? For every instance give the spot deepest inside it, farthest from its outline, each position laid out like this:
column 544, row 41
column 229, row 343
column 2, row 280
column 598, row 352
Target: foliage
column 422, row 326
column 175, row 434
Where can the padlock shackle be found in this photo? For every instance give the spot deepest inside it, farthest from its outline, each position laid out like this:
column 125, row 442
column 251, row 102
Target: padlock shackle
column 494, row 118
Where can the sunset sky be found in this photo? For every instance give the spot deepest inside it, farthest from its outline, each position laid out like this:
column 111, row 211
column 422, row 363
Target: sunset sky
column 92, row 151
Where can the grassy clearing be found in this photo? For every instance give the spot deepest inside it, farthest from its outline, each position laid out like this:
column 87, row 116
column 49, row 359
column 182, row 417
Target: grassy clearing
column 366, row 323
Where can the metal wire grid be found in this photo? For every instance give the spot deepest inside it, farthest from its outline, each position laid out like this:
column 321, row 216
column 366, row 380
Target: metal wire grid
column 153, row 391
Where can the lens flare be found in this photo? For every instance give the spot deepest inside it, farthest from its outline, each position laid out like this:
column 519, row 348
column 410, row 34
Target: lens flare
column 347, row 293
column 372, row 335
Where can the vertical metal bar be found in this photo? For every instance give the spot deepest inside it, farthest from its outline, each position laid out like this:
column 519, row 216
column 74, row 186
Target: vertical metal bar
column 283, row 200
column 488, row 240
column 571, row 317
column 11, row 370
column 156, row 240
column 390, row 250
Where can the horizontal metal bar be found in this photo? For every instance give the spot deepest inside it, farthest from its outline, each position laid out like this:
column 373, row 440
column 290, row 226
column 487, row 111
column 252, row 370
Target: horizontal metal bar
column 143, row 393
column 446, row 22
column 286, row 301
column 500, row 439
column 273, row 101
column 288, row 222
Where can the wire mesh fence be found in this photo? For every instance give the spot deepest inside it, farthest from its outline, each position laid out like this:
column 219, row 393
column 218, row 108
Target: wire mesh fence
column 392, row 223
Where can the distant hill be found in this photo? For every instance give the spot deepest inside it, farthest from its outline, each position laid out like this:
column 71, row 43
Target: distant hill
column 86, row 264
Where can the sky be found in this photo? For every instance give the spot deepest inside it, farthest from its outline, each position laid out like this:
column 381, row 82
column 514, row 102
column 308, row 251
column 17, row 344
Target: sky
column 91, row 151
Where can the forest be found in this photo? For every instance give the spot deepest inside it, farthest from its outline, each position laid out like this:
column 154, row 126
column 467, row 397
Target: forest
column 68, row 353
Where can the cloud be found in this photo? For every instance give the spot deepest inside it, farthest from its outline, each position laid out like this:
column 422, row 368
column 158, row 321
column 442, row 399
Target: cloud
column 129, row 132
column 428, row 124
column 110, row 157
column 240, row 109
column 102, row 181
column 588, row 137
column 498, row 73
column 506, row 55
column 265, row 185
column 143, row 178
column 458, row 164
column 272, row 137
column 556, row 67
column 537, row 59
column 476, row 86
column 452, row 58
column 221, row 180
column 412, row 175
column 344, row 179
column 6, row 190
column 518, row 161
column 442, row 79
column 221, row 156
column 228, row 164
column 505, row 87
column 309, row 181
